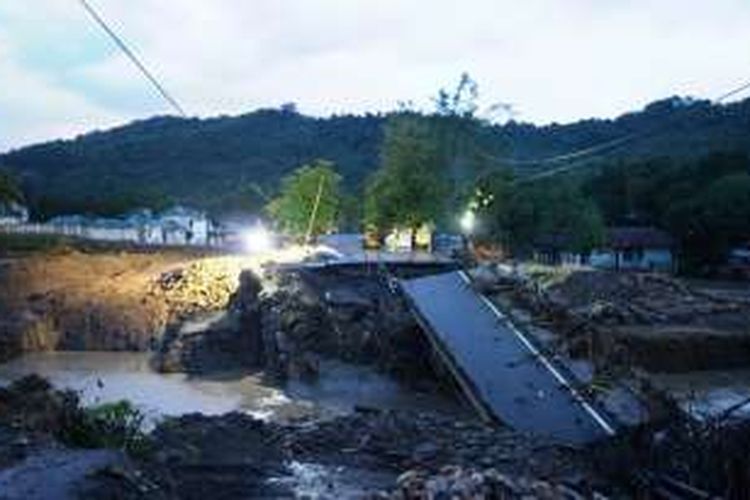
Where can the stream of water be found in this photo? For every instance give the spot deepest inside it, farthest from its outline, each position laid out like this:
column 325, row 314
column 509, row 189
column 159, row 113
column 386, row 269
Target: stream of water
column 102, row 377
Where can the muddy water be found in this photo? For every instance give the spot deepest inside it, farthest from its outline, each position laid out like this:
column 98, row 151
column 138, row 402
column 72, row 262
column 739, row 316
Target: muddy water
column 707, row 394
column 105, row 377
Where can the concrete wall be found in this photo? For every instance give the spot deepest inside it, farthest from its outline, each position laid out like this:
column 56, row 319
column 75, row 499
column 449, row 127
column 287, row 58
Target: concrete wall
column 144, row 235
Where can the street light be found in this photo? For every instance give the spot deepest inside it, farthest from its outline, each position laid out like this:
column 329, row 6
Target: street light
column 257, row 239
column 468, row 221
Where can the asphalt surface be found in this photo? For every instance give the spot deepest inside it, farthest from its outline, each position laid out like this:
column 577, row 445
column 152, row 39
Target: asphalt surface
column 498, row 366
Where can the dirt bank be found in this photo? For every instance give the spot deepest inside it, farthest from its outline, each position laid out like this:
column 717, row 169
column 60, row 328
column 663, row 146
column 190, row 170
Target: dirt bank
column 114, row 300
column 633, row 319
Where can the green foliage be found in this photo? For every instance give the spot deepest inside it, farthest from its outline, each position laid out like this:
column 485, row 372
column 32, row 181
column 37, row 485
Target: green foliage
column 409, row 189
column 210, row 163
column 712, row 222
column 554, row 209
column 9, row 189
column 703, row 203
column 491, row 201
column 293, row 208
column 28, row 243
column 111, row 425
column 430, row 163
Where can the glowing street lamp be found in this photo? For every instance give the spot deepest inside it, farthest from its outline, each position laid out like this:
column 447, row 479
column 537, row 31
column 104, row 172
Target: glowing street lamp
column 257, row 239
column 468, row 221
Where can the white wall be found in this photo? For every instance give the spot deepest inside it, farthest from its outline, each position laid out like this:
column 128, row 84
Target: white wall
column 199, row 226
column 150, row 233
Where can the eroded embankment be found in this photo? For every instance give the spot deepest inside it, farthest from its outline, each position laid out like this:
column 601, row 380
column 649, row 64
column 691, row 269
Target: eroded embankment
column 107, row 300
column 289, row 320
column 626, row 319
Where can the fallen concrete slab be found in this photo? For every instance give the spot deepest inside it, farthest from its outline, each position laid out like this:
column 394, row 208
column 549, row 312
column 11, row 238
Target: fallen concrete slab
column 498, row 367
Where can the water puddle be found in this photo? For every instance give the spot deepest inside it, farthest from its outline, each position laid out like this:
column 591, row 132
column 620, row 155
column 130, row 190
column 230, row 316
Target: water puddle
column 707, row 394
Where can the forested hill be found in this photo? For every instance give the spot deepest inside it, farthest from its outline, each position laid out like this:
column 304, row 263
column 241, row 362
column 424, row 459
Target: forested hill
column 229, row 163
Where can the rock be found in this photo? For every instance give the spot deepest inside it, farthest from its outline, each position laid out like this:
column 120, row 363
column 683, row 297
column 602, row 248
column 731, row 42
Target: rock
column 222, row 345
column 70, row 475
column 459, row 483
column 31, row 404
column 425, row 451
column 229, row 341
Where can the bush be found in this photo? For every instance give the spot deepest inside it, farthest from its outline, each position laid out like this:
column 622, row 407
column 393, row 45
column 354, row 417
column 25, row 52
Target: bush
column 111, row 425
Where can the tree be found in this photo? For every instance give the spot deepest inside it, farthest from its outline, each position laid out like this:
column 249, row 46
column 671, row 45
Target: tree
column 309, row 200
column 704, row 203
column 465, row 139
column 557, row 209
column 429, row 162
column 712, row 222
column 9, row 190
column 409, row 189
column 490, row 201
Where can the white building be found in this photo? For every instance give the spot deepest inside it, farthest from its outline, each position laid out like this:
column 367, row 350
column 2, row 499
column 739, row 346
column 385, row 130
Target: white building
column 186, row 223
column 635, row 248
column 12, row 213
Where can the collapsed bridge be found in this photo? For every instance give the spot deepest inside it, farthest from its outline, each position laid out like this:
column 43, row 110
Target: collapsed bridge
column 497, row 366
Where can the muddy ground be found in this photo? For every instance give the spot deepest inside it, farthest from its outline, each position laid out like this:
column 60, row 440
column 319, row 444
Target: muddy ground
column 653, row 321
column 113, row 300
column 369, row 454
column 285, row 323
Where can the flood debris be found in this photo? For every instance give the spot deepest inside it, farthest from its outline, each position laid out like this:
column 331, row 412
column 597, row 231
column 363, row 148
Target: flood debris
column 649, row 320
column 237, row 456
column 457, row 482
column 350, row 315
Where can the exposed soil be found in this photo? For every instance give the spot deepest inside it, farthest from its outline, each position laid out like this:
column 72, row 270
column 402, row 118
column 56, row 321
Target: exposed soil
column 106, row 301
column 653, row 321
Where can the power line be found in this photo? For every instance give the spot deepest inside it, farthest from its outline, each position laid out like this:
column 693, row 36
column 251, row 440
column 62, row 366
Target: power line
column 591, row 149
column 596, row 147
column 736, row 91
column 565, row 156
column 134, row 59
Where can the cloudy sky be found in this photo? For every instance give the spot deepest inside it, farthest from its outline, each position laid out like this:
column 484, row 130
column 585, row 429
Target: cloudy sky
column 554, row 60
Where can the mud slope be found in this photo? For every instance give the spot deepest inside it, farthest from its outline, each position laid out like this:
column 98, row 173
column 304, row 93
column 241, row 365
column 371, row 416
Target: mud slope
column 105, row 301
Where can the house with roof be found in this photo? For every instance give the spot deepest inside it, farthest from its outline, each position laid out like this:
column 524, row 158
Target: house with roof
column 186, row 225
column 13, row 213
column 641, row 248
column 737, row 264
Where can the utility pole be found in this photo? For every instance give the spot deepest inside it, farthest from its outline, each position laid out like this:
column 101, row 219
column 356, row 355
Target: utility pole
column 314, row 213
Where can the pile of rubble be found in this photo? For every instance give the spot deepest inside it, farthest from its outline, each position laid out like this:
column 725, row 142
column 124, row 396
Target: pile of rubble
column 350, row 317
column 399, row 440
column 643, row 299
column 644, row 319
column 203, row 285
column 467, row 484
column 218, row 455
column 225, row 341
